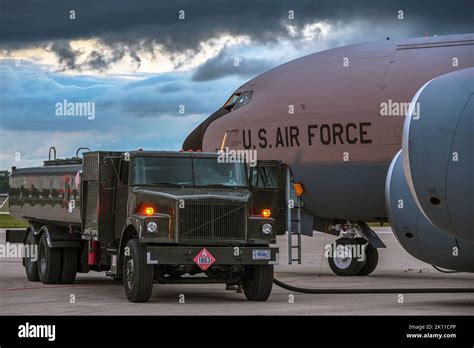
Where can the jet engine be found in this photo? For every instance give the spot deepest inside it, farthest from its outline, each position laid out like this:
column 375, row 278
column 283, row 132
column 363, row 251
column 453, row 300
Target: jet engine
column 438, row 152
column 430, row 182
column 417, row 235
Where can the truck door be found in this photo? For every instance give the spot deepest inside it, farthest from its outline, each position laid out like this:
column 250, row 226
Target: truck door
column 267, row 183
column 121, row 197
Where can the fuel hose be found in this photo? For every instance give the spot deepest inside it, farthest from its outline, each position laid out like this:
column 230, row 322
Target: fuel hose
column 372, row 291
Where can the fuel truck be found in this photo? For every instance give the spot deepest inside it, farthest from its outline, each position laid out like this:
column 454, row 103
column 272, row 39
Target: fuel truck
column 145, row 217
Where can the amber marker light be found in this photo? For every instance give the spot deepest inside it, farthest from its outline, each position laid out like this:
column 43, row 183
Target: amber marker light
column 299, row 190
column 266, row 213
column 149, row 210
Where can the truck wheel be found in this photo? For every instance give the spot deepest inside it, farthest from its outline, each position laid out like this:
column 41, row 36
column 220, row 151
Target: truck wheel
column 342, row 260
column 69, row 266
column 137, row 274
column 371, row 258
column 258, row 286
column 31, row 267
column 49, row 262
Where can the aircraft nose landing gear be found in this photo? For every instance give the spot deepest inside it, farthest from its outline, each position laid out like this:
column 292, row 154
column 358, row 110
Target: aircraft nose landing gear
column 352, row 256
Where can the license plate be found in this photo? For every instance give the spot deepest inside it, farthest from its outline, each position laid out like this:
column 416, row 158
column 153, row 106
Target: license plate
column 258, row 254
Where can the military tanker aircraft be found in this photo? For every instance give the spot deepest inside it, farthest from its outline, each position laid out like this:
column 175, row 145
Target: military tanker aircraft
column 336, row 118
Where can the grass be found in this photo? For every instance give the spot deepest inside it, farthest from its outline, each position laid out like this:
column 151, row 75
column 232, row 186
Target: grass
column 7, row 221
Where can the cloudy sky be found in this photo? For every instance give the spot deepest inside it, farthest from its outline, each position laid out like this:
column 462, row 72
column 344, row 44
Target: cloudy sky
column 155, row 69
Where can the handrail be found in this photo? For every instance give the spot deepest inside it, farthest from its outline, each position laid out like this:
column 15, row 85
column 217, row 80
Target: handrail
column 82, row 148
column 49, row 154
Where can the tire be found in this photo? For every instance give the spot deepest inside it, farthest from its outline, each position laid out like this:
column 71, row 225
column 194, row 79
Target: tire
column 138, row 275
column 69, row 265
column 258, row 286
column 371, row 258
column 31, row 267
column 49, row 262
column 349, row 266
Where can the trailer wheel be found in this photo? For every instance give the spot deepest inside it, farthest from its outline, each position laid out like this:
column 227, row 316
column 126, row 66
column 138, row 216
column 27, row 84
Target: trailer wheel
column 49, row 262
column 137, row 274
column 258, row 286
column 371, row 258
column 69, row 266
column 342, row 260
column 31, row 267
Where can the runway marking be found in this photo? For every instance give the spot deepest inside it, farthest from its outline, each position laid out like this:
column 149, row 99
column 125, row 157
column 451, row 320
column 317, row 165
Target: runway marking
column 49, row 287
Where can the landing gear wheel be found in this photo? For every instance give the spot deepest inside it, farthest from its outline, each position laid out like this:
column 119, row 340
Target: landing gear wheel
column 371, row 258
column 137, row 274
column 49, row 262
column 342, row 259
column 258, row 286
column 69, row 266
column 31, row 267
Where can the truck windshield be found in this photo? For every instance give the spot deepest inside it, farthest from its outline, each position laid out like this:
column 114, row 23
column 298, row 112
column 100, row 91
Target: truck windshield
column 208, row 172
column 187, row 171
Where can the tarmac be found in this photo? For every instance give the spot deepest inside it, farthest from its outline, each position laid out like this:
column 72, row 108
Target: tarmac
column 96, row 294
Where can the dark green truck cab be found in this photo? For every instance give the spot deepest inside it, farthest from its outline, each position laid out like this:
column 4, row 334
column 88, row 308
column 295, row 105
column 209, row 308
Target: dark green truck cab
column 150, row 217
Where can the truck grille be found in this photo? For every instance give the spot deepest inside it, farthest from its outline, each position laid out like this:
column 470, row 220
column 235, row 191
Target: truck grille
column 212, row 221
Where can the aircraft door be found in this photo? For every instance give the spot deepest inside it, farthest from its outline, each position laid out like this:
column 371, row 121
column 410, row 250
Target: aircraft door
column 231, row 140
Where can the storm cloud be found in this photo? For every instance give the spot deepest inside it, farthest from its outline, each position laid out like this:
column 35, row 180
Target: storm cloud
column 224, row 64
column 130, row 27
column 66, row 55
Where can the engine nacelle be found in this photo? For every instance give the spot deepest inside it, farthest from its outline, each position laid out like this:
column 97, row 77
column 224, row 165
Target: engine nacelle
column 415, row 232
column 438, row 152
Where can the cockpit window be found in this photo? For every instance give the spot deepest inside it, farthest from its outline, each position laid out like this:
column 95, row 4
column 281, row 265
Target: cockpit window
column 231, row 101
column 238, row 100
column 244, row 99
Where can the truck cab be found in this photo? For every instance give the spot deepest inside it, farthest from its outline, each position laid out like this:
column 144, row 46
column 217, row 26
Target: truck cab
column 191, row 197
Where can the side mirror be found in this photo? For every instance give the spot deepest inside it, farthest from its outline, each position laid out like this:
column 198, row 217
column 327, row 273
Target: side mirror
column 250, row 174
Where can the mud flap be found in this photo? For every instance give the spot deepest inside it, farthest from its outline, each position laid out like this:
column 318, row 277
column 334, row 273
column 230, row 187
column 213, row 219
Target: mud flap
column 15, row 236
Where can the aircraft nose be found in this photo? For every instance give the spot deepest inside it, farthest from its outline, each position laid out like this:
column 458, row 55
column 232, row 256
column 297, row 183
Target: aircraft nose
column 194, row 140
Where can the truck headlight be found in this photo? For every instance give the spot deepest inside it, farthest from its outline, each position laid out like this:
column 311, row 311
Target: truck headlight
column 267, row 229
column 152, row 227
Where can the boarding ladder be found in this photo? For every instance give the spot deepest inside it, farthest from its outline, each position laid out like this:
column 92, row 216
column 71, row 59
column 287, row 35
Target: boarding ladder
column 293, row 217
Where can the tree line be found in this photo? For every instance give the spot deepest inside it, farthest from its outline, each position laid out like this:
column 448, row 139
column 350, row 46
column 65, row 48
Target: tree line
column 4, row 181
